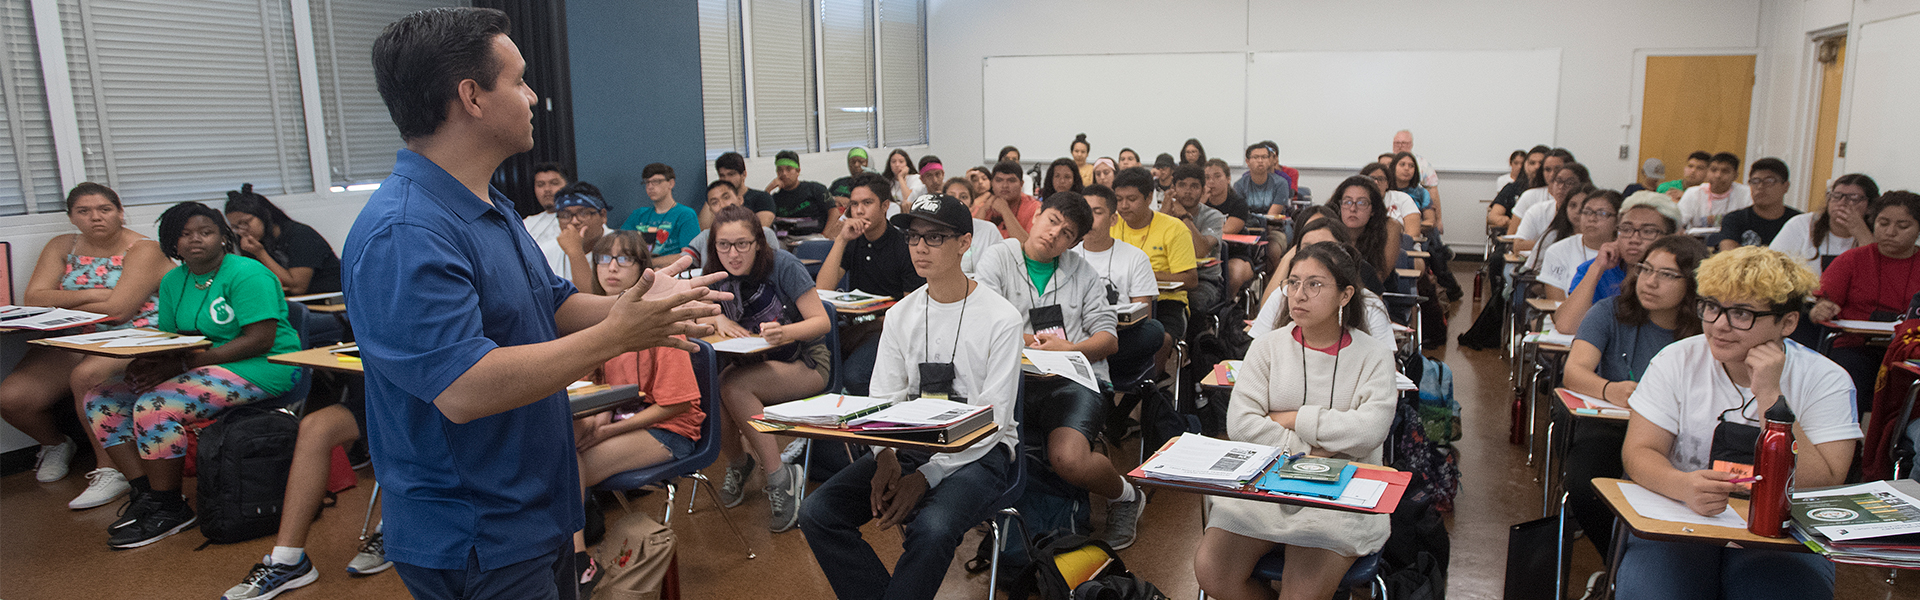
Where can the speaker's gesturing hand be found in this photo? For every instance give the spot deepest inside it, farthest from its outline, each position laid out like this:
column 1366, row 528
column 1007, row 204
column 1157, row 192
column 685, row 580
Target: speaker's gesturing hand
column 661, row 306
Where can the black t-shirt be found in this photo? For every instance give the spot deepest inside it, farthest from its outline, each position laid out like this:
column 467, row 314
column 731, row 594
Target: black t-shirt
column 301, row 246
column 881, row 266
column 1748, row 229
column 757, row 201
column 841, row 188
column 1233, row 206
column 805, row 201
column 1509, row 195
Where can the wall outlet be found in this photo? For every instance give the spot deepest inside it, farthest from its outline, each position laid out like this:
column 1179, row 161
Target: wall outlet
column 1623, row 152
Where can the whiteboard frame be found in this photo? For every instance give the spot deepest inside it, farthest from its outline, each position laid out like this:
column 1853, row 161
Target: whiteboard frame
column 990, row 147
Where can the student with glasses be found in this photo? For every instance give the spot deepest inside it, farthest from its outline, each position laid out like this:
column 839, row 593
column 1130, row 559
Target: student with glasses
column 1645, row 217
column 721, row 194
column 1820, row 237
column 1274, row 313
column 1400, row 206
column 1321, row 386
column 1701, row 402
column 1758, row 224
column 1872, row 283
column 1542, row 192
column 1541, row 217
column 666, row 224
column 951, row 338
column 1362, row 208
column 1617, row 340
column 873, row 256
column 582, row 215
column 1595, row 214
column 774, row 299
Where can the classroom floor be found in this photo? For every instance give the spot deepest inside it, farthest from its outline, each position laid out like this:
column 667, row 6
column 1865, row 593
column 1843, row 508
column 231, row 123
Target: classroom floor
column 51, row 552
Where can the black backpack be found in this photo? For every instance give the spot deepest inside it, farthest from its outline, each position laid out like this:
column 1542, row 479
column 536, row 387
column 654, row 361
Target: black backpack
column 243, row 462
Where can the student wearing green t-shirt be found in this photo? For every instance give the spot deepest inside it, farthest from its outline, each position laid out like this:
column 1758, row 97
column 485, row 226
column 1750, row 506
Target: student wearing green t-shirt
column 1694, row 174
column 236, row 303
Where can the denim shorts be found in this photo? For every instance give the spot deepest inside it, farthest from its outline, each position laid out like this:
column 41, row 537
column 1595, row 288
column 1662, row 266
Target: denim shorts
column 678, row 446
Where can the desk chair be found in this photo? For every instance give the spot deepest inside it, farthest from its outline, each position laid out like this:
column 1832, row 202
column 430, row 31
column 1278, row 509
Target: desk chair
column 1002, row 511
column 295, row 399
column 833, row 385
column 815, row 249
column 1365, row 572
column 706, row 370
column 1136, row 386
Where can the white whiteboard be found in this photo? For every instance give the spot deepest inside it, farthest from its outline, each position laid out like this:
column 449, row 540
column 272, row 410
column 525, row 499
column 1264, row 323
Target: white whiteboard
column 1467, row 109
column 1038, row 103
column 1881, row 128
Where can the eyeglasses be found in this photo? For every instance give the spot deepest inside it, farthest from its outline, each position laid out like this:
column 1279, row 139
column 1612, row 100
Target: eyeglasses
column 1566, row 182
column 1305, row 289
column 1738, row 318
column 658, row 181
column 1666, row 275
column 1839, row 197
column 576, row 215
column 735, row 247
column 1356, row 203
column 1764, row 181
column 1642, row 232
column 1598, row 214
column 624, row 261
column 933, row 240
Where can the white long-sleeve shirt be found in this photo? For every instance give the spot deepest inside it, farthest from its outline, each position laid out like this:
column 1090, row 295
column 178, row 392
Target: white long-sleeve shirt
column 984, row 346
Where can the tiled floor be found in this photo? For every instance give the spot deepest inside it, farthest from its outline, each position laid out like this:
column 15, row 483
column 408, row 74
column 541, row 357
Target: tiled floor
column 49, row 552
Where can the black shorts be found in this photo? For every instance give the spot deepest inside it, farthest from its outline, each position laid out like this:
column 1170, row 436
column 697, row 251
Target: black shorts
column 344, row 389
column 1057, row 402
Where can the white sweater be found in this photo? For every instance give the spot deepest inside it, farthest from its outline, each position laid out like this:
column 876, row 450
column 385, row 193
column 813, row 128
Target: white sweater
column 986, row 363
column 1346, row 409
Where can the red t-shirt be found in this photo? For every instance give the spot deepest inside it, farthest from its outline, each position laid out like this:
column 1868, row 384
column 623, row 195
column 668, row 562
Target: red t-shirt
column 1863, row 281
column 666, row 376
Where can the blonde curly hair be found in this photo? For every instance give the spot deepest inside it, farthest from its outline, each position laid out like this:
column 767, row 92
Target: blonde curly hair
column 1756, row 273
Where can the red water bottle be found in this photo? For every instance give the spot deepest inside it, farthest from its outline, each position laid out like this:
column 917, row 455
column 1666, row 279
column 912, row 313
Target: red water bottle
column 1773, row 469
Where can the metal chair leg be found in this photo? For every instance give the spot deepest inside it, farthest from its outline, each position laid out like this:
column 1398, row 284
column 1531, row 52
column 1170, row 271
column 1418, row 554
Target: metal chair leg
column 666, row 517
column 724, row 514
column 368, row 520
column 1547, row 474
column 993, row 562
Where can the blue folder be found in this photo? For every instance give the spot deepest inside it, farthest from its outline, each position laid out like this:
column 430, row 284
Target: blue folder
column 1271, row 481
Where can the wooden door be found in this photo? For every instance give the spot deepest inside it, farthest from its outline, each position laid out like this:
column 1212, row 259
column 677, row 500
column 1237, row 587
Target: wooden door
column 1827, row 127
column 1695, row 103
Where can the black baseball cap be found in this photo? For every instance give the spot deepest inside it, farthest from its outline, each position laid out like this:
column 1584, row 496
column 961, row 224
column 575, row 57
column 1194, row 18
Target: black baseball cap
column 1164, row 160
column 939, row 209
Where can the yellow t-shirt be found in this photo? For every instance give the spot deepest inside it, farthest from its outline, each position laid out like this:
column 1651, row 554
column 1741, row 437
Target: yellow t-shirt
column 1168, row 244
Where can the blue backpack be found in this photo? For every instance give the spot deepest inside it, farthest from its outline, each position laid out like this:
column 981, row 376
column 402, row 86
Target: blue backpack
column 1439, row 412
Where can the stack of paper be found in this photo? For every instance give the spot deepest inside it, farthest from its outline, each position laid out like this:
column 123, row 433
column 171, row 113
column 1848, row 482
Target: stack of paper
column 825, row 410
column 1875, row 523
column 921, row 412
column 853, row 299
column 45, row 319
column 1194, row 458
column 1549, row 337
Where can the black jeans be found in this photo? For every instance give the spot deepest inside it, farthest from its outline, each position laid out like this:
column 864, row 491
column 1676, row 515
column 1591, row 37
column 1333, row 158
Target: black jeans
column 550, row 576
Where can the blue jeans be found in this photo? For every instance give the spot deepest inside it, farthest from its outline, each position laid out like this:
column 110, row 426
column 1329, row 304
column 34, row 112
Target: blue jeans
column 550, row 576
column 1682, row 570
column 832, row 515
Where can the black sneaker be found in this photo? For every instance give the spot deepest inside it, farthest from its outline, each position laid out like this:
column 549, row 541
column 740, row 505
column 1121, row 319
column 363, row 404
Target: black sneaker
column 135, row 508
column 154, row 524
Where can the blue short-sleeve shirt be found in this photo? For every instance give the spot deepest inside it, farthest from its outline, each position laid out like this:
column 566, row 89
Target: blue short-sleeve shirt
column 435, row 278
column 1609, row 284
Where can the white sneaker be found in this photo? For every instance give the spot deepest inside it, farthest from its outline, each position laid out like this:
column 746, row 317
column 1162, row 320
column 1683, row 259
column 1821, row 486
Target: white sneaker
column 51, row 464
column 103, row 485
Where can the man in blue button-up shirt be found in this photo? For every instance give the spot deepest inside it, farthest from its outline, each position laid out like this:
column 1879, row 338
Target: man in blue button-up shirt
column 468, row 338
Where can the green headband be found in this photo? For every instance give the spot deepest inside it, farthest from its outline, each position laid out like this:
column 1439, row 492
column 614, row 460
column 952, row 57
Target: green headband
column 786, row 162
column 860, row 152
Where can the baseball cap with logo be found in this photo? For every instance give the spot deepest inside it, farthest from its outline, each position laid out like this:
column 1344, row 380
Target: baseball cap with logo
column 939, row 209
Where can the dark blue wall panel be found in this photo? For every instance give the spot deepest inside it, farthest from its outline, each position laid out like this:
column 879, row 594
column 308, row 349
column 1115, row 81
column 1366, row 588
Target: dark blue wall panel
column 636, row 97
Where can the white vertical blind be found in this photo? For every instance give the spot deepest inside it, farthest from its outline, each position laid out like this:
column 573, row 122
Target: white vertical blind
column 903, row 64
column 847, row 36
column 189, row 99
column 784, row 99
column 723, row 95
column 29, row 178
column 361, row 137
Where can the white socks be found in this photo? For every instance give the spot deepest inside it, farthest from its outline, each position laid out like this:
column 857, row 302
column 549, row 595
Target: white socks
column 283, row 555
column 1127, row 493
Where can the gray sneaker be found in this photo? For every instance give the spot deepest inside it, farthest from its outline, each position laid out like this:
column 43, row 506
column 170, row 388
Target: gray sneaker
column 372, row 557
column 1123, row 520
column 786, row 499
column 733, row 489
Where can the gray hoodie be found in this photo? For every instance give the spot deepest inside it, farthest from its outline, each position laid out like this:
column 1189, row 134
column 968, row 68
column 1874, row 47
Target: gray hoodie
column 1075, row 286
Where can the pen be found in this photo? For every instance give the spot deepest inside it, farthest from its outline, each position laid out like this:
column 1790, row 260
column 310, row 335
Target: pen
column 1746, row 479
column 837, row 401
column 1295, row 456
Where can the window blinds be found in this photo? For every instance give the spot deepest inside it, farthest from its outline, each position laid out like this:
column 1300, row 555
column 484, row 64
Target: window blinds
column 723, row 96
column 847, row 72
